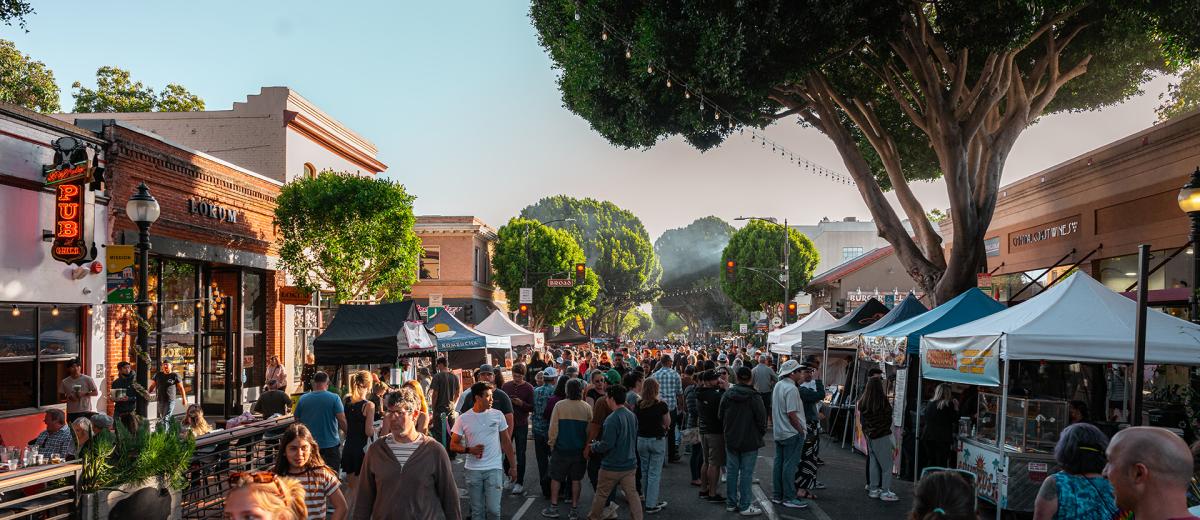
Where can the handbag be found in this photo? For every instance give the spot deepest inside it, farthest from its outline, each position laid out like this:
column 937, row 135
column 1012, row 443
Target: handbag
column 690, row 436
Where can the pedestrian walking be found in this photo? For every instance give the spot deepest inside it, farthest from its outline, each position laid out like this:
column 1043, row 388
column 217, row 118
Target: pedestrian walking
column 812, row 392
column 691, row 433
column 167, row 385
column 567, row 437
column 406, row 474
column 744, row 421
column 712, row 435
column 1150, row 469
column 546, row 380
column 322, row 412
column 600, row 413
column 876, row 414
column 939, row 425
column 1079, row 491
column 619, row 458
column 262, row 495
column 125, row 401
column 360, row 425
column 443, row 392
column 79, row 388
column 653, row 420
column 671, row 392
column 521, row 394
column 763, row 380
column 789, row 430
column 299, row 458
column 483, row 432
column 944, row 495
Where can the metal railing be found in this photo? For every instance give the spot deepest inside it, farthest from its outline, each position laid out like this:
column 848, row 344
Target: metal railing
column 46, row 492
column 246, row 448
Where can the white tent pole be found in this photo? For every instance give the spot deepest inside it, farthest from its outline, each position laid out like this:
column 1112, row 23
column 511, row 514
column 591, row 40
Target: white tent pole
column 1003, row 420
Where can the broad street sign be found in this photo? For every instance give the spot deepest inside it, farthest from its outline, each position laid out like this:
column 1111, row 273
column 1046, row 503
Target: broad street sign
column 560, row 282
column 526, row 295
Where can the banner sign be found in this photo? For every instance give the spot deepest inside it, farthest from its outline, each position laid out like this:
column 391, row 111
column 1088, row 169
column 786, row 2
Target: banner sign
column 973, row 364
column 884, row 349
column 579, row 323
column 119, row 266
column 292, row 295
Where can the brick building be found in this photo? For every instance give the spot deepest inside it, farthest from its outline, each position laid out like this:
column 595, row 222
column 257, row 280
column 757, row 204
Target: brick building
column 457, row 264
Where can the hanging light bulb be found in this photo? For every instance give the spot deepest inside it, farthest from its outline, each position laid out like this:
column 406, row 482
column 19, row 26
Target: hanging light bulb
column 174, row 306
column 628, row 54
column 604, row 35
column 687, row 95
column 16, row 311
column 717, row 115
column 54, row 311
column 649, row 69
column 577, row 13
column 199, row 304
column 668, row 82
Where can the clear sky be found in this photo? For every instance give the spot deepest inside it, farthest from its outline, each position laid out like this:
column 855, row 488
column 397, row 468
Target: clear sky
column 462, row 103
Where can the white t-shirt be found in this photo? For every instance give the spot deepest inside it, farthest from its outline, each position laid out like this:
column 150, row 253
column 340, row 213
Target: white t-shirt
column 785, row 398
column 484, row 428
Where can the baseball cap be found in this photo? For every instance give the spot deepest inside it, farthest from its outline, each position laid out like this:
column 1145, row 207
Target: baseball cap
column 788, row 367
column 549, row 373
column 487, row 368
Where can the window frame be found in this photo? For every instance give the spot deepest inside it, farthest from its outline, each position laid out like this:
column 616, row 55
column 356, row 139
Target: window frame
column 84, row 359
column 425, row 250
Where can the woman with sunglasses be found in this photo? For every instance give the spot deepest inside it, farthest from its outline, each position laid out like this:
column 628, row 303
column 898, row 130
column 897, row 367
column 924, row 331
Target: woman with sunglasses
column 1079, row 491
column 262, row 495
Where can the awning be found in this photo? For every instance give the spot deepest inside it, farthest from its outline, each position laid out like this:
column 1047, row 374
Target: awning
column 907, row 308
column 498, row 324
column 894, row 343
column 367, row 334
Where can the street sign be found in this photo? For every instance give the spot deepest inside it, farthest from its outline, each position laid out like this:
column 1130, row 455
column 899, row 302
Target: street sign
column 292, row 295
column 560, row 282
column 435, row 299
column 775, row 322
column 742, row 328
column 526, row 295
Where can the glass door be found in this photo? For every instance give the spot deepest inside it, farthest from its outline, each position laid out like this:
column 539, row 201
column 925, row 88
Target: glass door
column 216, row 358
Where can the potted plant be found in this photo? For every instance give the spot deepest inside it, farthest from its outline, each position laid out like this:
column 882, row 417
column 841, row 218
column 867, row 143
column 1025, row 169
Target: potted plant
column 138, row 474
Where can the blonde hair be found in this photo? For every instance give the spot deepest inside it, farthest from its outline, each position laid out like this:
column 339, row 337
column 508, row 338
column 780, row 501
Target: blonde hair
column 649, row 395
column 283, row 498
column 360, row 385
column 199, row 426
column 943, row 396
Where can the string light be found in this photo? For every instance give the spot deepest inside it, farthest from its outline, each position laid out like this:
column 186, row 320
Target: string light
column 604, row 35
column 16, row 311
column 628, row 54
column 668, row 82
column 54, row 311
column 649, row 69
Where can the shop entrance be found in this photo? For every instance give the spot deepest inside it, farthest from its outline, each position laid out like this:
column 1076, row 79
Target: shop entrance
column 217, row 388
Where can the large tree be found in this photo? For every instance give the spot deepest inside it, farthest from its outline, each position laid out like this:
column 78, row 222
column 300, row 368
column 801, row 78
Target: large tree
column 348, row 233
column 618, row 249
column 691, row 259
column 757, row 251
column 117, row 92
column 905, row 89
column 25, row 81
column 14, row 11
column 527, row 254
column 1182, row 97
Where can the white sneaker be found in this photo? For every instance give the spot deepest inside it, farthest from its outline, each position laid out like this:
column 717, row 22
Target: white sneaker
column 751, row 511
column 722, row 477
column 874, row 493
column 610, row 512
column 518, row 489
column 888, row 496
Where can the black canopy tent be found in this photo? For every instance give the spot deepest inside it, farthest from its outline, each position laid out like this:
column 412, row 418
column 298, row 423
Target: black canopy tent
column 367, row 335
column 568, row 335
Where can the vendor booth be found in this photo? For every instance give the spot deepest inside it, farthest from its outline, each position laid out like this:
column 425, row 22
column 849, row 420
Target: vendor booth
column 372, row 335
column 568, row 335
column 466, row 348
column 1038, row 356
column 498, row 324
column 790, row 340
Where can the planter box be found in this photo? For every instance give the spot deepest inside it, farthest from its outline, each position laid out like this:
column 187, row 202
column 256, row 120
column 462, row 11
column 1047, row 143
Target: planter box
column 133, row 501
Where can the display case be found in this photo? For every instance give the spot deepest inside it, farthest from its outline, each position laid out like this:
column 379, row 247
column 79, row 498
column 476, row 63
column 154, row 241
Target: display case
column 1031, row 425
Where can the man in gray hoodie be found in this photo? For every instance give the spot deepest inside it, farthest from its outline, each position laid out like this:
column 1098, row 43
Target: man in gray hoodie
column 744, row 420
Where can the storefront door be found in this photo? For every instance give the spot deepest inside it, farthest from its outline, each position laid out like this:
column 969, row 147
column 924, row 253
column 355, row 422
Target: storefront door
column 218, row 389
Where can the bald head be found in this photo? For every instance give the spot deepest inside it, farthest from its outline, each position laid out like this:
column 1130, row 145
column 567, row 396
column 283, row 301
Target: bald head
column 1166, row 457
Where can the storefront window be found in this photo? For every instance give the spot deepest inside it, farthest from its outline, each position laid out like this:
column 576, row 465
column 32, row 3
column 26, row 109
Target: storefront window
column 431, row 263
column 254, row 339
column 176, row 327
column 29, row 375
column 1119, row 273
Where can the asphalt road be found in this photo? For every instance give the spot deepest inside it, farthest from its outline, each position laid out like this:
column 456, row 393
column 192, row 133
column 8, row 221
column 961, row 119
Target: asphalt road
column 844, row 498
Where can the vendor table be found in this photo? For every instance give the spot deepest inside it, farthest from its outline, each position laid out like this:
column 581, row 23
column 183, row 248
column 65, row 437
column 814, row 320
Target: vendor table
column 1005, row 477
column 47, row 491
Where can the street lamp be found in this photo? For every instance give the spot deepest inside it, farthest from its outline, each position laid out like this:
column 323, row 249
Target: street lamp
column 1189, row 202
column 786, row 276
column 143, row 210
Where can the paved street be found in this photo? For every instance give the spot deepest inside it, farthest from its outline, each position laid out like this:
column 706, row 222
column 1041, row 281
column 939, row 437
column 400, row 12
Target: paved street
column 845, row 498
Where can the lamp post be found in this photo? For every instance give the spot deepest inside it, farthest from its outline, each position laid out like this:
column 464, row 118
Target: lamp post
column 143, row 210
column 785, row 278
column 1189, row 202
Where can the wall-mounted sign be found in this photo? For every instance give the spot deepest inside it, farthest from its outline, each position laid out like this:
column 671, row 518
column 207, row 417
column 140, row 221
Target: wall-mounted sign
column 208, row 209
column 73, row 202
column 1033, row 236
column 560, row 282
column 119, row 265
column 742, row 328
column 991, row 246
column 435, row 299
column 292, row 295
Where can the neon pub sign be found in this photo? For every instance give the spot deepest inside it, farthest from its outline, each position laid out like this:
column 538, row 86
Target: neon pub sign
column 71, row 177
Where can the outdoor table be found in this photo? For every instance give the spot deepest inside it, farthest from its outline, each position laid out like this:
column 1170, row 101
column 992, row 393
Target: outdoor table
column 24, row 492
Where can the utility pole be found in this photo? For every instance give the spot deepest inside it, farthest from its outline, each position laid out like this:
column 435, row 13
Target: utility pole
column 787, row 273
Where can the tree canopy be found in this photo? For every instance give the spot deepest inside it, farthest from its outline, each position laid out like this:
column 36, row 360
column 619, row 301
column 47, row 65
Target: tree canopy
column 25, row 81
column 617, row 247
column 905, row 90
column 117, row 92
column 348, row 233
column 757, row 251
column 15, row 11
column 526, row 248
column 691, row 261
column 1182, row 97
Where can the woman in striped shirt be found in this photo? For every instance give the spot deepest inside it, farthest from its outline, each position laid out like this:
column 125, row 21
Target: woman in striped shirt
column 300, row 458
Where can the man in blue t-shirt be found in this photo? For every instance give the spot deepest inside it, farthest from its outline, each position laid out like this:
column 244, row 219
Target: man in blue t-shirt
column 321, row 411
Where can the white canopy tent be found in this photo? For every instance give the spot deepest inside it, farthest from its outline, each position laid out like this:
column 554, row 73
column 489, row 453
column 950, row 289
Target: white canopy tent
column 810, row 328
column 499, row 325
column 1076, row 320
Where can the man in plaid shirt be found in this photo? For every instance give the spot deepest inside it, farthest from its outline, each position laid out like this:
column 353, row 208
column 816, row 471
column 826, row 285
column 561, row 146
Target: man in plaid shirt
column 541, row 425
column 57, row 438
column 670, row 390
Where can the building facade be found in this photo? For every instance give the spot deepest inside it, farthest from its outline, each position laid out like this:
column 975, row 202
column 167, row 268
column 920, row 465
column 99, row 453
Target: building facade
column 49, row 308
column 875, row 274
column 1091, row 212
column 457, row 267
column 839, row 241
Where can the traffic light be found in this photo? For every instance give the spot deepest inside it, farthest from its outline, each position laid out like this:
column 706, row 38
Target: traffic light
column 730, row 267
column 523, row 312
column 791, row 312
column 840, row 307
column 580, row 273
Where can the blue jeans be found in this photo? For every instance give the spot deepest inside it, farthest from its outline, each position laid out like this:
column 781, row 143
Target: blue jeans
column 787, row 460
column 739, row 476
column 651, row 452
column 483, row 488
column 166, row 409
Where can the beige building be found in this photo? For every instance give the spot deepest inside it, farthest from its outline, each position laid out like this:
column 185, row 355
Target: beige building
column 457, row 265
column 276, row 133
column 875, row 274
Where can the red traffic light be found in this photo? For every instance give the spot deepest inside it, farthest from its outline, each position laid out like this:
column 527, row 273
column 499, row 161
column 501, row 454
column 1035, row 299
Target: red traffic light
column 729, row 268
column 523, row 309
column 580, row 272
